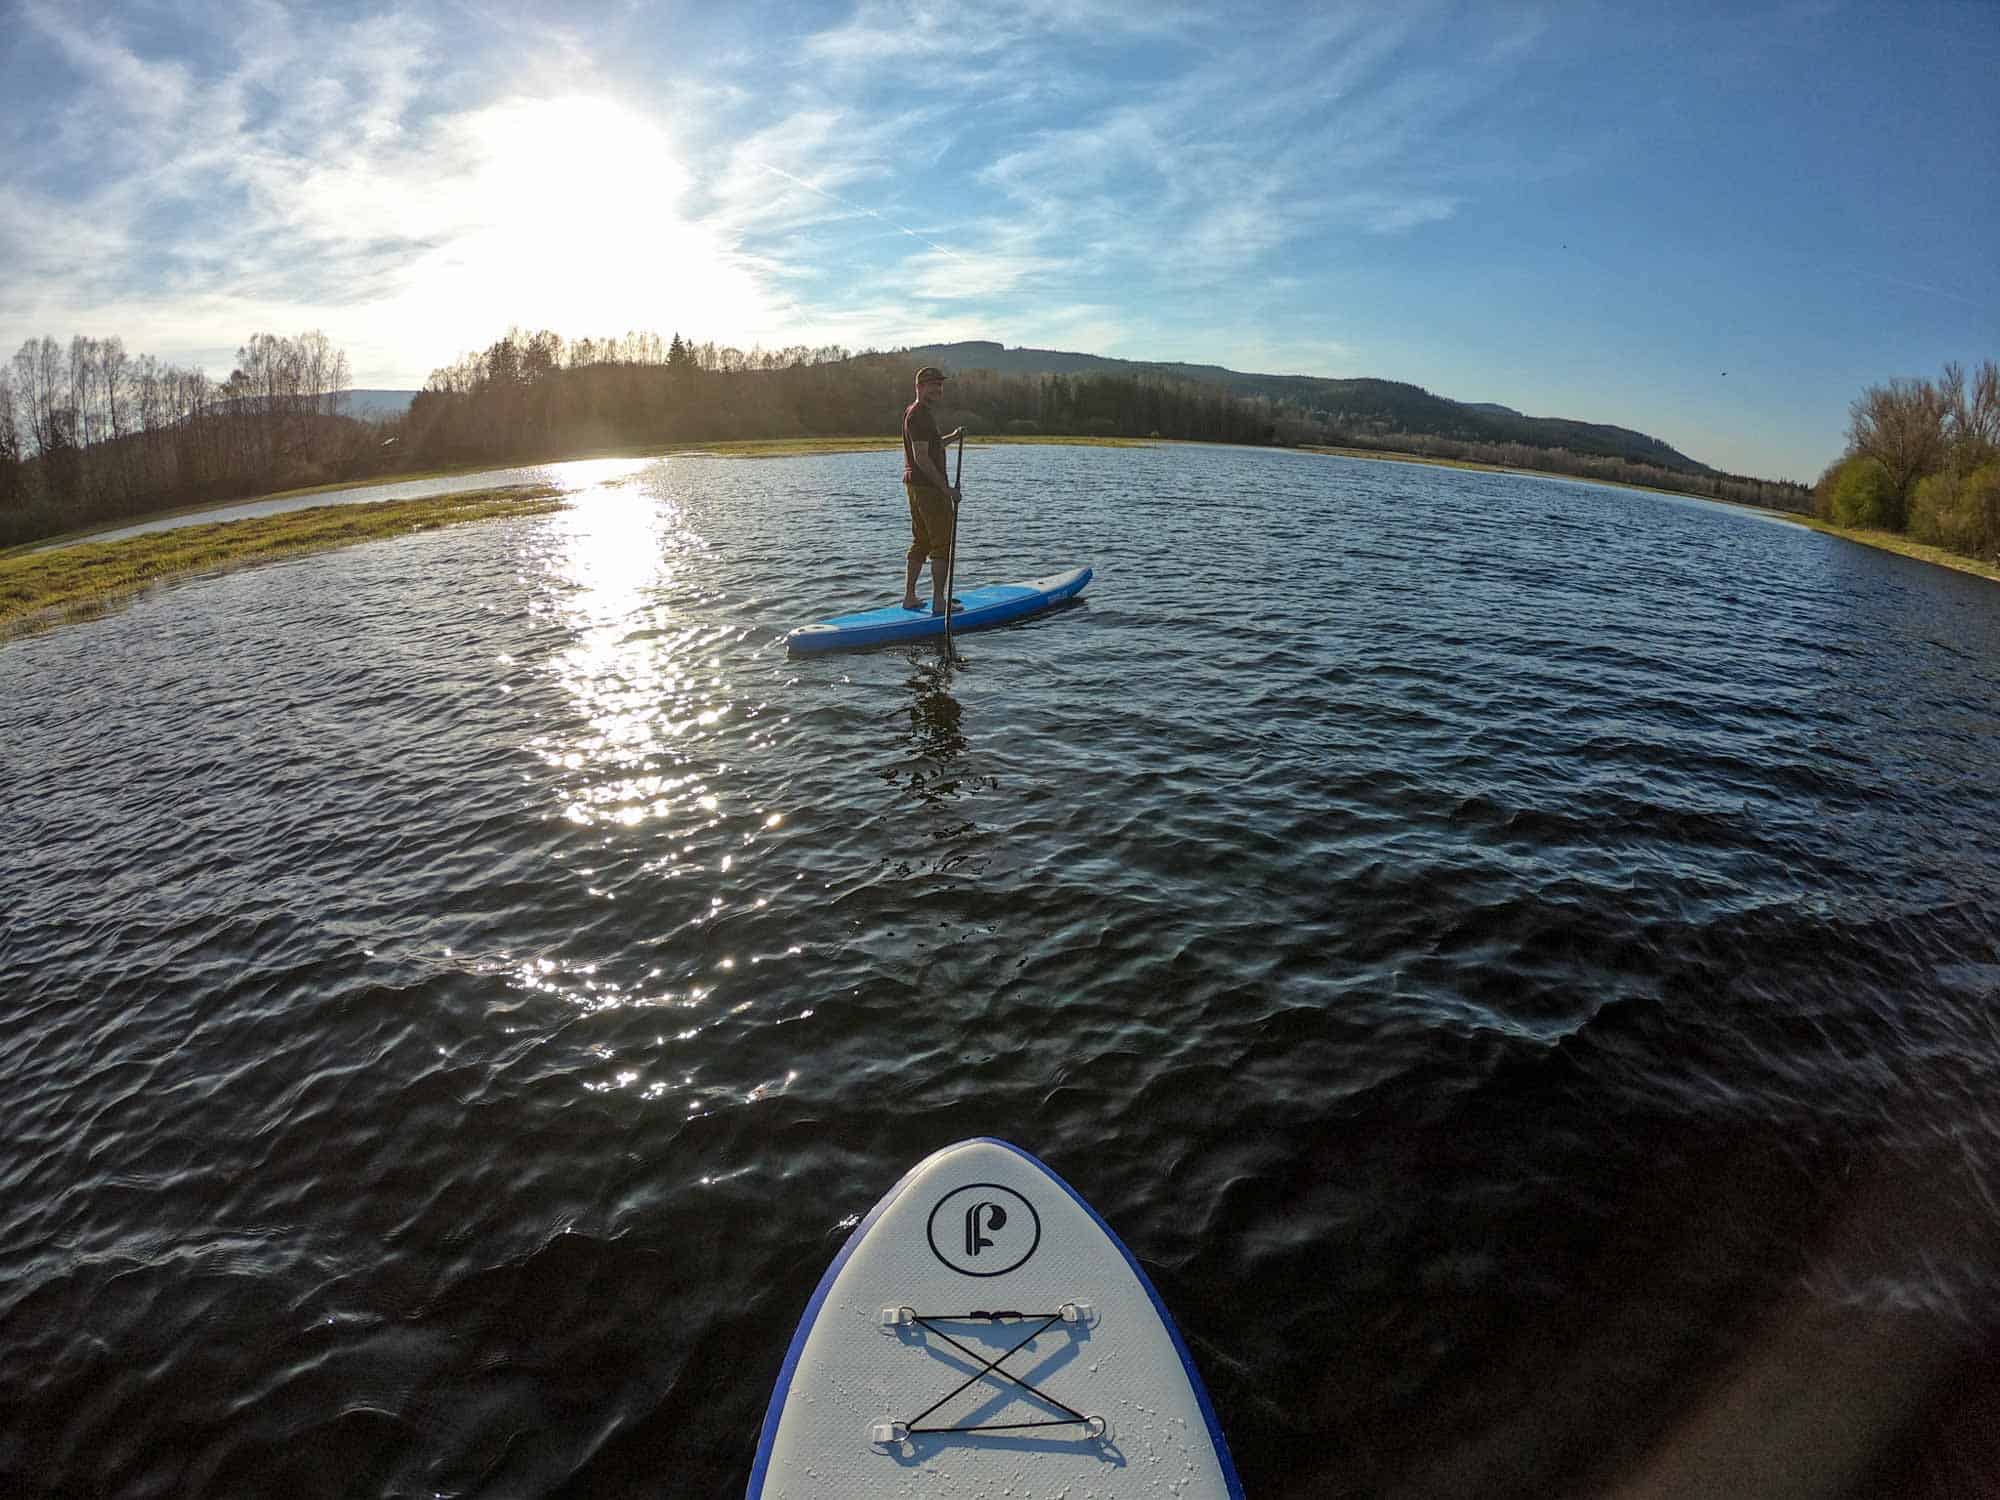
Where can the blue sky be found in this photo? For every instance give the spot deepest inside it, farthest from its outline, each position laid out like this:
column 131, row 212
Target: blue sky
column 1714, row 224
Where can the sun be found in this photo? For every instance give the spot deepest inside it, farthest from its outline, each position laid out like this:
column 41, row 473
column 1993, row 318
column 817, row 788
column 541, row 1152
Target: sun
column 568, row 214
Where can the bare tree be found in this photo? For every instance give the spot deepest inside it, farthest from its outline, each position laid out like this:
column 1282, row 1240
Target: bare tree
column 149, row 393
column 86, row 390
column 1902, row 424
column 37, row 372
column 1971, row 418
column 320, row 386
column 542, row 355
column 12, row 486
column 114, row 385
column 339, row 380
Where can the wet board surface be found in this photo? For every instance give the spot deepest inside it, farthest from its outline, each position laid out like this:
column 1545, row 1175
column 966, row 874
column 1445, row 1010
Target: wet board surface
column 983, row 1333
column 983, row 608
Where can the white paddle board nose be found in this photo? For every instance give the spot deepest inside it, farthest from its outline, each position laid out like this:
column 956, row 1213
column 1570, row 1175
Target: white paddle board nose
column 1026, row 1348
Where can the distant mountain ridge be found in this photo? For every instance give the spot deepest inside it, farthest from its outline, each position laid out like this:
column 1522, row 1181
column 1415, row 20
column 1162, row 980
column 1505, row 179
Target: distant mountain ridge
column 1376, row 408
column 375, row 405
column 1362, row 407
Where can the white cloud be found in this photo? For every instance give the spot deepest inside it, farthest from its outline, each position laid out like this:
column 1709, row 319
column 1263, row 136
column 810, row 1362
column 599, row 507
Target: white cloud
column 1385, row 213
column 892, row 35
column 976, row 275
column 320, row 178
column 1094, row 328
column 414, row 189
column 795, row 173
column 1273, row 137
column 44, row 240
column 129, row 87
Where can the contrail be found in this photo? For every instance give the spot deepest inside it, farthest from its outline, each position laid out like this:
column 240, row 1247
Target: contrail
column 858, row 208
column 1921, row 286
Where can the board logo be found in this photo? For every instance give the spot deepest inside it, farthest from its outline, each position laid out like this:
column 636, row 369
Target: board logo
column 984, row 1229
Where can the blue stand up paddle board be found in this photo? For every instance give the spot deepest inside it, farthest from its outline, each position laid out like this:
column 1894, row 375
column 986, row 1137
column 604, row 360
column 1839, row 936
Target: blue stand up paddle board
column 984, row 1333
column 981, row 609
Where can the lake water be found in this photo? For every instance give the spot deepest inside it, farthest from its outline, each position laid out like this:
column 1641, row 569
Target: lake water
column 1505, row 954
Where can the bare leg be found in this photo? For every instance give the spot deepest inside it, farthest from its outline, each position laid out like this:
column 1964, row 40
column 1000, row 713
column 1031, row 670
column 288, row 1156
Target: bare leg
column 911, row 568
column 940, row 572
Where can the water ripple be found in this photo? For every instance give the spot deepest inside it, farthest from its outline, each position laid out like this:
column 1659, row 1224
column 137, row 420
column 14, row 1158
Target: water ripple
column 1490, row 946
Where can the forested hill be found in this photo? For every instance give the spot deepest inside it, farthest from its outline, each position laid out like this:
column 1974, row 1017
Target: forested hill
column 1371, row 409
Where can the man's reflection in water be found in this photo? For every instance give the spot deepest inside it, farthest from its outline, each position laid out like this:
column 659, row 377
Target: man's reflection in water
column 930, row 765
column 929, row 768
column 936, row 731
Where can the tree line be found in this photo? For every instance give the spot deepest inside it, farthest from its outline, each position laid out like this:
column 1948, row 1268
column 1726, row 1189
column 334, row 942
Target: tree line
column 1923, row 459
column 90, row 434
column 537, row 395
column 532, row 395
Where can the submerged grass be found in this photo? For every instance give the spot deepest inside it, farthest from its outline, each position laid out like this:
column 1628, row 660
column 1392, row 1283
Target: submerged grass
column 38, row 589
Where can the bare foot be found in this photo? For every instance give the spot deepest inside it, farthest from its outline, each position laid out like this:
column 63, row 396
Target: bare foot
column 913, row 604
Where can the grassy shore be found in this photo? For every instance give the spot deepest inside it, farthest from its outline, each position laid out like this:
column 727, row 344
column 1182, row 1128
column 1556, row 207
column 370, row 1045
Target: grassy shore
column 38, row 589
column 202, row 507
column 1889, row 541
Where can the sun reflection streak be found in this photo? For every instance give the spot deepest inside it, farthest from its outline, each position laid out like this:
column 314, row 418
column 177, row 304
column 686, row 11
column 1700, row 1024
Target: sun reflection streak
column 644, row 804
column 627, row 562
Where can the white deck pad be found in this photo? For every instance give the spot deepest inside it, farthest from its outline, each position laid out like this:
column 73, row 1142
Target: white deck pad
column 983, row 1333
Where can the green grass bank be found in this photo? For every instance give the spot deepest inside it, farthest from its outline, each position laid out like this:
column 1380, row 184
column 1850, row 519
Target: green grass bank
column 39, row 589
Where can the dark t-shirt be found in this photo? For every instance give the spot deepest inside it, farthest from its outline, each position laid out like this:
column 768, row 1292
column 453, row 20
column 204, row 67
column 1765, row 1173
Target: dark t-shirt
column 919, row 426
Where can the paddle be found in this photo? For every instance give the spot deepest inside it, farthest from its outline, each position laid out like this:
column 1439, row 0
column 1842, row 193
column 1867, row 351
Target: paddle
column 951, row 558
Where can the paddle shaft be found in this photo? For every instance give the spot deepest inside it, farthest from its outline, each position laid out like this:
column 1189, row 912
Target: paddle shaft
column 951, row 556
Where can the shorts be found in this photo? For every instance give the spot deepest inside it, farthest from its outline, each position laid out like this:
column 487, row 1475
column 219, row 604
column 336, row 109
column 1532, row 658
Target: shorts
column 930, row 520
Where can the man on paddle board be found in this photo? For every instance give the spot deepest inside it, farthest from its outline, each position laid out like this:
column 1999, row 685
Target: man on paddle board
column 933, row 502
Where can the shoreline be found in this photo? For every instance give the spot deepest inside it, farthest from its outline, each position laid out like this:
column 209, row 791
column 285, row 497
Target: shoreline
column 1475, row 467
column 752, row 448
column 1882, row 541
column 1902, row 546
column 735, row 448
column 39, row 591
